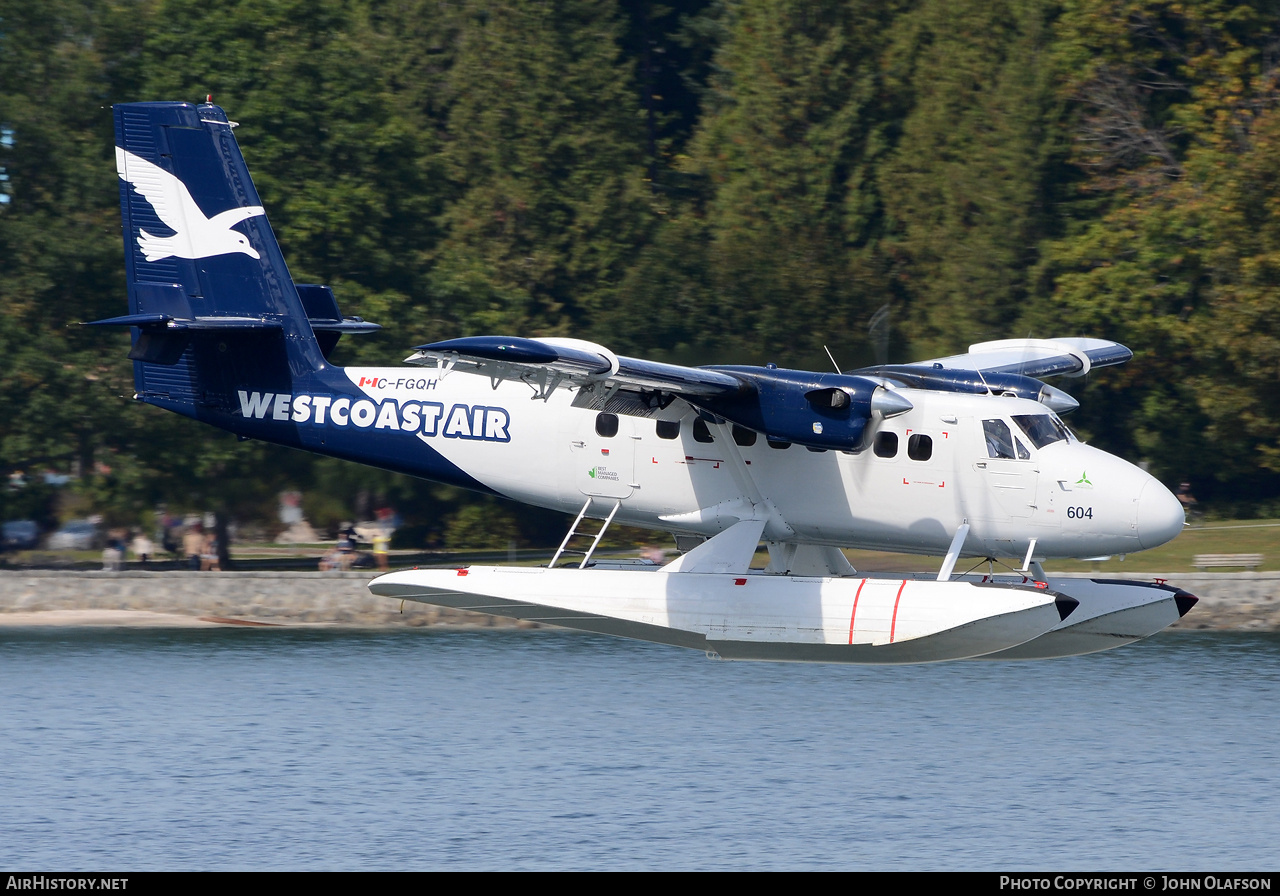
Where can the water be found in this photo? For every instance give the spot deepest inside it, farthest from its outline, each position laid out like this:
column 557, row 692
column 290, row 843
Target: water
column 320, row 749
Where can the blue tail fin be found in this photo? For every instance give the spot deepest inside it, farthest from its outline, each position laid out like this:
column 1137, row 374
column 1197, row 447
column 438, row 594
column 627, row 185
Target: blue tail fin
column 210, row 298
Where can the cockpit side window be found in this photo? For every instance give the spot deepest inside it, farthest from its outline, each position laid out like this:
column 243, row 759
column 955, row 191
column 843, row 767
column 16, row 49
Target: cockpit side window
column 999, row 439
column 1023, row 453
column 1042, row 429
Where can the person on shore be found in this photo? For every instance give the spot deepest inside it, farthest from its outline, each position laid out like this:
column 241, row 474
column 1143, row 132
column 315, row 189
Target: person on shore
column 209, row 561
column 193, row 546
column 381, row 543
column 346, row 546
column 331, row 560
column 113, row 555
column 170, row 536
column 142, row 548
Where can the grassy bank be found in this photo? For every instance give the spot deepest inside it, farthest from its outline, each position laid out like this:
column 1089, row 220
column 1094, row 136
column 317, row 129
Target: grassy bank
column 1220, row 537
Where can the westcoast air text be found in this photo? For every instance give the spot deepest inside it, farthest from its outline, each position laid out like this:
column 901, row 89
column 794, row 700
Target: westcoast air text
column 423, row 418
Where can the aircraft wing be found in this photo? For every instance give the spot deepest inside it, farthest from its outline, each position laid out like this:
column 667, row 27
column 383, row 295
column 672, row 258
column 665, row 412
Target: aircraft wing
column 1007, row 367
column 1071, row 356
column 549, row 362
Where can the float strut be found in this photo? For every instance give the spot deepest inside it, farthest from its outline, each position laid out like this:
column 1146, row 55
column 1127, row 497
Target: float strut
column 1031, row 549
column 953, row 552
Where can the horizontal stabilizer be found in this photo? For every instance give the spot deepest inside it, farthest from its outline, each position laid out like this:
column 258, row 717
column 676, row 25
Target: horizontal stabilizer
column 132, row 320
column 164, row 321
column 322, row 312
column 350, row 325
column 318, row 302
column 163, row 339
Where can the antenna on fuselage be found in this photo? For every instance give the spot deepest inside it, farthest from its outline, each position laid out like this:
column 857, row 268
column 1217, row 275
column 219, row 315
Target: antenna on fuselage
column 833, row 359
column 878, row 330
column 977, row 365
column 985, row 384
column 1026, row 353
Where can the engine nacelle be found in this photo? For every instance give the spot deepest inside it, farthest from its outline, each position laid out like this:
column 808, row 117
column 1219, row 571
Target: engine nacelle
column 817, row 410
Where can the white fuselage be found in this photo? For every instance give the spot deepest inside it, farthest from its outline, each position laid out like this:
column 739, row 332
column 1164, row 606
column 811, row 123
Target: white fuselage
column 1072, row 499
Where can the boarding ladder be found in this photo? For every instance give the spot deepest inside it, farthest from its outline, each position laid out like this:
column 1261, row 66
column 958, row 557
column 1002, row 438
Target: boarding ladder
column 574, row 533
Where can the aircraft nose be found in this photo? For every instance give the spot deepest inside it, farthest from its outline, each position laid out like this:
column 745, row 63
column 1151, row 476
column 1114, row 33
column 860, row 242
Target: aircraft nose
column 1160, row 516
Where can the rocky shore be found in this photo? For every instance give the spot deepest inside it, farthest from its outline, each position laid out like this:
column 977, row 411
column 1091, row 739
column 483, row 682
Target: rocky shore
column 1248, row 601
column 215, row 598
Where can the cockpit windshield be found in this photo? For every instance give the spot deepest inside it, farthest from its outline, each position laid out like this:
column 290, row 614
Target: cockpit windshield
column 1043, row 429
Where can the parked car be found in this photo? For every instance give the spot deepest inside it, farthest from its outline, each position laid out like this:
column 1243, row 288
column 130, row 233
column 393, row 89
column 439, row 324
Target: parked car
column 19, row 535
column 76, row 535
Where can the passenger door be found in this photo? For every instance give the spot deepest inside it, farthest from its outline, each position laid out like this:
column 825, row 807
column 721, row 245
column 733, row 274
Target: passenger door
column 604, row 455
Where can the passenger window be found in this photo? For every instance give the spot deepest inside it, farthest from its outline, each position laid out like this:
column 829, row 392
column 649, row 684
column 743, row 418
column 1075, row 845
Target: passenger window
column 607, row 425
column 999, row 439
column 743, row 436
column 700, row 431
column 919, row 447
column 668, row 429
column 780, row 445
column 886, row 444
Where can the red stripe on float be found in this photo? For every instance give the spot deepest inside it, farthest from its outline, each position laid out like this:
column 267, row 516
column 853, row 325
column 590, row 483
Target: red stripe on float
column 854, row 614
column 894, row 625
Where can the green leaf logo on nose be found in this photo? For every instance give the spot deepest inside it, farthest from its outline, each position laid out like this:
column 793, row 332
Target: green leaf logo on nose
column 1084, row 478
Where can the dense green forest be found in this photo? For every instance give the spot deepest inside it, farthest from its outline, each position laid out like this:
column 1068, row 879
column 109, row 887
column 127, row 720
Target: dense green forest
column 707, row 181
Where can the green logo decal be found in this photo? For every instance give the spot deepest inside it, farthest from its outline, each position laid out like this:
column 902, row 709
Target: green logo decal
column 592, row 472
column 1084, row 478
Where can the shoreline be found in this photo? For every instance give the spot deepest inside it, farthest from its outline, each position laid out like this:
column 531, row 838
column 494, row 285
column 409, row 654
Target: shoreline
column 1243, row 601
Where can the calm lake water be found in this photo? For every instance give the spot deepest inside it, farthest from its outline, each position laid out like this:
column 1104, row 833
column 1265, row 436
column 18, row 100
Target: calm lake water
column 130, row 750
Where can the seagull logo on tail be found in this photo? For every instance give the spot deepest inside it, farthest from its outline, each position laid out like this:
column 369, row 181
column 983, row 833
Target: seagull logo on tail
column 194, row 235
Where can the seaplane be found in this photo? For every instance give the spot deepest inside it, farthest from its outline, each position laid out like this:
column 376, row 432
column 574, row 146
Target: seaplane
column 958, row 457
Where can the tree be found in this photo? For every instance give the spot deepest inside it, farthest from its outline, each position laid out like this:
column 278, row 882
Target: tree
column 60, row 391
column 783, row 137
column 340, row 108
column 967, row 186
column 544, row 150
column 1176, row 141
